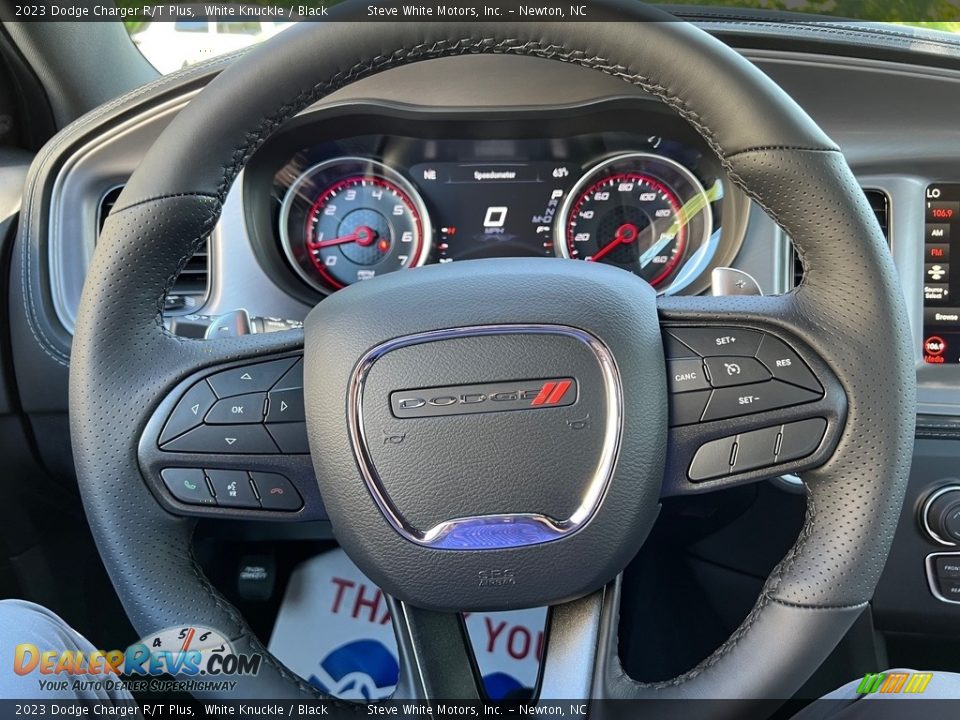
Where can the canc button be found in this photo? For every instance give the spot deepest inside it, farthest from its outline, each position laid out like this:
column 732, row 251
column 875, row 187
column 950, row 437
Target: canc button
column 686, row 374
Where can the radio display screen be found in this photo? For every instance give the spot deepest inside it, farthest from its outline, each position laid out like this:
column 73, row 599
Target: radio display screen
column 941, row 277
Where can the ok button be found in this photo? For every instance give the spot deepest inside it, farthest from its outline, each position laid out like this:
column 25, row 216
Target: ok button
column 237, row 410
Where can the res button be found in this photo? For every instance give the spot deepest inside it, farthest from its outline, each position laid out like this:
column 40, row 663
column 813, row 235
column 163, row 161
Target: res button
column 786, row 365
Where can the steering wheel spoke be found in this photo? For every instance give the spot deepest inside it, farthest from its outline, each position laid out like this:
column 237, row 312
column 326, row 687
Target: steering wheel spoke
column 436, row 660
column 230, row 441
column 748, row 400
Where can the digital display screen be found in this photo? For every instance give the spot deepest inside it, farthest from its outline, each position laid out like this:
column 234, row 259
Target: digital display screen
column 941, row 287
column 483, row 210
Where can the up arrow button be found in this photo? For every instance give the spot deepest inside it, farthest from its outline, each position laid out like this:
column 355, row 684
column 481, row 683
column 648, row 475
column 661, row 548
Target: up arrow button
column 249, row 378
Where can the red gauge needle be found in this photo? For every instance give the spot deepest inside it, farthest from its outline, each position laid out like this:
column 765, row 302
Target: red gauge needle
column 362, row 236
column 626, row 234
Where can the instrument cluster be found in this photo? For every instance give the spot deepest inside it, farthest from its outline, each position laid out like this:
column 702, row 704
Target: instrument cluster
column 352, row 208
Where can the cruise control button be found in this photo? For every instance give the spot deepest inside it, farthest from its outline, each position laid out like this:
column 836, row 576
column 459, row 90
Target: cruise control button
column 225, row 439
column 687, row 408
column 285, row 406
column 187, row 485
column 242, row 409
column 726, row 371
column 712, row 459
column 785, row 364
column 276, row 492
column 249, row 378
column 291, row 437
column 710, row 342
column 756, row 449
column 751, row 399
column 685, row 375
column 233, row 489
column 800, row 439
column 189, row 411
column 292, row 379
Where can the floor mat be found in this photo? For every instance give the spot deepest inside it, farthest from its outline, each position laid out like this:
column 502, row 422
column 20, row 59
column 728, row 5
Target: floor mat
column 334, row 629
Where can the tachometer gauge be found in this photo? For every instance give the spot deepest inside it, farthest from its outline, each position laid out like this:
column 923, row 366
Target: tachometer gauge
column 642, row 212
column 351, row 219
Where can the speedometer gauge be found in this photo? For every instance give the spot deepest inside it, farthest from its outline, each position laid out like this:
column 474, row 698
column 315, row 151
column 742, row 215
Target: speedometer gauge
column 644, row 213
column 351, row 219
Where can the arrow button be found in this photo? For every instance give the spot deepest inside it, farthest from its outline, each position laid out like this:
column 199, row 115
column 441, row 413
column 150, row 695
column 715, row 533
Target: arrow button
column 189, row 411
column 250, row 378
column 224, row 440
column 285, row 406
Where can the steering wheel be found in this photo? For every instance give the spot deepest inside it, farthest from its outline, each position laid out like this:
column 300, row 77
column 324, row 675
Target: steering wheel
column 509, row 446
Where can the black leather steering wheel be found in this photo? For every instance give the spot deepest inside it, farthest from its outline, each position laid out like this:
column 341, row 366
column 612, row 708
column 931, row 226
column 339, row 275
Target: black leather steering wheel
column 523, row 539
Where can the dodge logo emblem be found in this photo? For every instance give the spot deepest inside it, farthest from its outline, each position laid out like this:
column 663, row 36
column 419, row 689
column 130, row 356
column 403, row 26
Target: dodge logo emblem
column 484, row 398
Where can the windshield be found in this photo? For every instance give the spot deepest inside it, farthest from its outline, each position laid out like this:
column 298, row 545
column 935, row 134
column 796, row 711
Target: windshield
column 174, row 44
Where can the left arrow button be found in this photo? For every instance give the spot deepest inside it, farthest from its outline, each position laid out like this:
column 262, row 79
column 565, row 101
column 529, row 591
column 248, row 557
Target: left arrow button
column 189, row 411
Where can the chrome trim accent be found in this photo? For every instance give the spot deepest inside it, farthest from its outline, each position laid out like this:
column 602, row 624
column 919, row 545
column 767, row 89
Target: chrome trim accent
column 378, row 167
column 706, row 248
column 731, row 281
column 924, row 512
column 490, row 532
column 931, row 567
column 68, row 252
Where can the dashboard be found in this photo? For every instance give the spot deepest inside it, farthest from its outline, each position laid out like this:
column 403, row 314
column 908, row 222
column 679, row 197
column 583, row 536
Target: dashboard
column 608, row 182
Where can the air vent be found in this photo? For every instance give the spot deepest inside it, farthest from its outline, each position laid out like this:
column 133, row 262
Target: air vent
column 880, row 204
column 106, row 205
column 190, row 289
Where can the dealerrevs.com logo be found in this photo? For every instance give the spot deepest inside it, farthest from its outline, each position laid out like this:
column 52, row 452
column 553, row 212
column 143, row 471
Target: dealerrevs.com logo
column 199, row 657
column 484, row 397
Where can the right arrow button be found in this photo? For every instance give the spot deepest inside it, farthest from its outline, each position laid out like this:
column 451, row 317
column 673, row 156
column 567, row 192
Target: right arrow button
column 285, row 406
